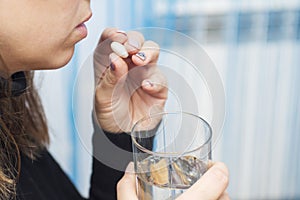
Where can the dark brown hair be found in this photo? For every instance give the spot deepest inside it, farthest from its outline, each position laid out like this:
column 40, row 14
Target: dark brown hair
column 23, row 129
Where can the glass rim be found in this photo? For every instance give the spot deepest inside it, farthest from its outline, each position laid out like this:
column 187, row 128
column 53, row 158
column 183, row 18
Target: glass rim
column 170, row 154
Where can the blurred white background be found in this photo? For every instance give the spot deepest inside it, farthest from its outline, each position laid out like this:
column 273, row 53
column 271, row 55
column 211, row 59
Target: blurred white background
column 255, row 46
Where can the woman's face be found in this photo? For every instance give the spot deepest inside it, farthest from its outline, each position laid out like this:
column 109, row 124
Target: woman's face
column 40, row 34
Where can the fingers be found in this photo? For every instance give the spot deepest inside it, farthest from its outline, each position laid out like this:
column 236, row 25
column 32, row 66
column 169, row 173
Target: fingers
column 126, row 187
column 112, row 52
column 211, row 185
column 155, row 85
column 101, row 53
column 155, row 82
column 142, row 52
column 108, row 36
column 113, row 34
column 134, row 42
column 118, row 68
column 131, row 40
column 148, row 54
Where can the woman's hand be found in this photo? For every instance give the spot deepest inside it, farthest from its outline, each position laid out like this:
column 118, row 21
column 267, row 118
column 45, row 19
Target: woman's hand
column 127, row 89
column 211, row 186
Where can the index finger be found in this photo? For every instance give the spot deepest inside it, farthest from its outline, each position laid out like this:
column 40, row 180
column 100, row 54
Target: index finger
column 113, row 34
column 103, row 49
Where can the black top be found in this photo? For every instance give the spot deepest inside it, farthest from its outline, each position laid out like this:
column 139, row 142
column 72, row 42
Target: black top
column 17, row 87
column 43, row 179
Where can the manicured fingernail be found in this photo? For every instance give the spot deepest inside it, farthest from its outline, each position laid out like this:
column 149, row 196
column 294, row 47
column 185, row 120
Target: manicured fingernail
column 121, row 31
column 149, row 83
column 112, row 66
column 130, row 168
column 119, row 49
column 141, row 55
column 134, row 43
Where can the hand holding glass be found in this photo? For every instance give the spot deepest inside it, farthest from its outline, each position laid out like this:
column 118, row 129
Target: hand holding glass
column 171, row 152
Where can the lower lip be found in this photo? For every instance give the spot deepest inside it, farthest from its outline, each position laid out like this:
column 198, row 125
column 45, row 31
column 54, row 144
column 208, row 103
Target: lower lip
column 82, row 30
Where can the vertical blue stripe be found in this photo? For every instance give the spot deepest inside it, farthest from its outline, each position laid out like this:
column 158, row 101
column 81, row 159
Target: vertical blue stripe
column 132, row 6
column 298, row 25
column 170, row 19
column 260, row 127
column 148, row 14
column 110, row 20
column 295, row 132
column 291, row 174
column 229, row 150
column 271, row 130
column 297, row 139
column 295, row 127
column 73, row 133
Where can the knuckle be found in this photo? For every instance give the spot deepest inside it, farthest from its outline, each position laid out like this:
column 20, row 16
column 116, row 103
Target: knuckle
column 108, row 32
column 110, row 79
column 220, row 171
column 112, row 35
column 222, row 167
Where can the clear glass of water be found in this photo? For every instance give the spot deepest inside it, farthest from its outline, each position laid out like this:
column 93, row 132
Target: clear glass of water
column 171, row 152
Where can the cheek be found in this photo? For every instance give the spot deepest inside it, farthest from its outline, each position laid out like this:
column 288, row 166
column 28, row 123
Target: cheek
column 52, row 46
column 40, row 40
column 28, row 53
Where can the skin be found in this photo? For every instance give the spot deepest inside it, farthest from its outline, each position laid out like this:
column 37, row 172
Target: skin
column 41, row 34
column 37, row 34
column 134, row 88
column 211, row 186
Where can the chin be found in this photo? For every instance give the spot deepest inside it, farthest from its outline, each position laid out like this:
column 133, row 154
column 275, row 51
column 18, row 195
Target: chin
column 61, row 60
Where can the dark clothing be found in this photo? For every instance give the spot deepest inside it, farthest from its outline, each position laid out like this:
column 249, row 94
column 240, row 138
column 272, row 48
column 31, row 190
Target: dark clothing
column 43, row 179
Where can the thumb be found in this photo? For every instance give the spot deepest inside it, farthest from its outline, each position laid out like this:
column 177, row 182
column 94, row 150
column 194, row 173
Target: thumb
column 210, row 186
column 126, row 187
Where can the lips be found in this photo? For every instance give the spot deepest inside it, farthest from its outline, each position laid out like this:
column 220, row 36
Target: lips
column 81, row 28
column 85, row 20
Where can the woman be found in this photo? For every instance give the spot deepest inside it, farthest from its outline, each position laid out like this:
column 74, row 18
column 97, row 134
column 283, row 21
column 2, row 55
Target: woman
column 36, row 34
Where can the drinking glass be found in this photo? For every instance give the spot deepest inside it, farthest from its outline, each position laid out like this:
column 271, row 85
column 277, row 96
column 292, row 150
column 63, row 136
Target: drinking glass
column 171, row 152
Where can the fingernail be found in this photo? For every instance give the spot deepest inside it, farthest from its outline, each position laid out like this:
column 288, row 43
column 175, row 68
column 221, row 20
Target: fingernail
column 121, row 31
column 112, row 66
column 148, row 83
column 141, row 55
column 134, row 43
column 130, row 168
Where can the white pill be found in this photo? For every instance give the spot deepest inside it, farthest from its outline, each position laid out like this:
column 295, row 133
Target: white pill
column 119, row 49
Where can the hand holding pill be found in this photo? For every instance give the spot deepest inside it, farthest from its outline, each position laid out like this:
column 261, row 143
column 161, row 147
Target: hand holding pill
column 129, row 85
